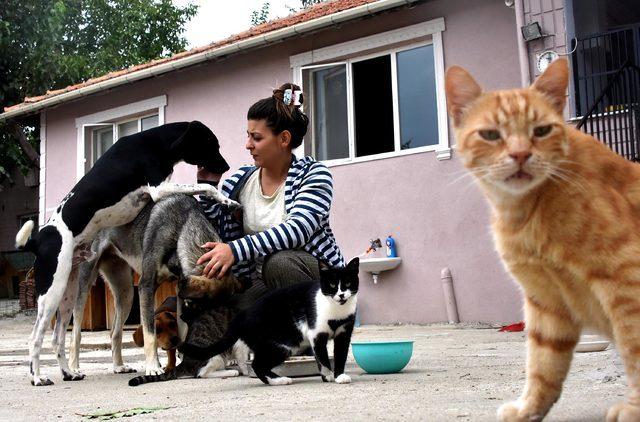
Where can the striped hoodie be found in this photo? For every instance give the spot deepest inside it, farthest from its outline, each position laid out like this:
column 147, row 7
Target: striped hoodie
column 307, row 201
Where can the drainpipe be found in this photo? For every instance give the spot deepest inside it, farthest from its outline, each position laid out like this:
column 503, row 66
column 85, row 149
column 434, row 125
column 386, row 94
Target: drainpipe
column 449, row 296
column 523, row 55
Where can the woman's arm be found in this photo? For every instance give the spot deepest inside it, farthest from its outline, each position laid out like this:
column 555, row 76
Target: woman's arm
column 311, row 206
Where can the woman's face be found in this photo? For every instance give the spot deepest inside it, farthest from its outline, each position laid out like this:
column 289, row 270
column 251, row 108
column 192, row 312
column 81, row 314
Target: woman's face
column 265, row 147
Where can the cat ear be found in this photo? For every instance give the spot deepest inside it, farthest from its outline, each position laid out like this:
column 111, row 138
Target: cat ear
column 553, row 83
column 461, row 90
column 353, row 265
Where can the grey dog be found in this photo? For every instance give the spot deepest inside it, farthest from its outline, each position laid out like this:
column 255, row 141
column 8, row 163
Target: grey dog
column 162, row 241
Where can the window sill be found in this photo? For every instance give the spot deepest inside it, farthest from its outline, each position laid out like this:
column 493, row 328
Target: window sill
column 441, row 154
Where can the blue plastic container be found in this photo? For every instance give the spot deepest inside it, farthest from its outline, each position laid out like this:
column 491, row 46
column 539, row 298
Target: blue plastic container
column 382, row 357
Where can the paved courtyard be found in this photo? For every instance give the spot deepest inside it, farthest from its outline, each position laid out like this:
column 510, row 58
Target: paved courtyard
column 457, row 373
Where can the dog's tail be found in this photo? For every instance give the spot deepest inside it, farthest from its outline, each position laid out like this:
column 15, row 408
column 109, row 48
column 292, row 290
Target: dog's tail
column 167, row 376
column 23, row 240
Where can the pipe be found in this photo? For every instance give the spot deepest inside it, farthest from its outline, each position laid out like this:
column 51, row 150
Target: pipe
column 253, row 42
column 449, row 296
column 523, row 55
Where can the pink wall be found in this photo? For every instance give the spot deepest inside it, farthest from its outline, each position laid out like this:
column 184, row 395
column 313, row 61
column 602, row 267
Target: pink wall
column 436, row 223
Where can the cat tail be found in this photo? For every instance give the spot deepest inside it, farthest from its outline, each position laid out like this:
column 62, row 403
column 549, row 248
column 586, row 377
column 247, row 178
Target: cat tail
column 144, row 379
column 204, row 353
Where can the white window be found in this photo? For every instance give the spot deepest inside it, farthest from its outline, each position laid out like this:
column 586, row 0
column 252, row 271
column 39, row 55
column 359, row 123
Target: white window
column 103, row 136
column 99, row 131
column 376, row 105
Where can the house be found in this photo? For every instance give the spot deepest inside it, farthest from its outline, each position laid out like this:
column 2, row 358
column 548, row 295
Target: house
column 373, row 74
column 18, row 203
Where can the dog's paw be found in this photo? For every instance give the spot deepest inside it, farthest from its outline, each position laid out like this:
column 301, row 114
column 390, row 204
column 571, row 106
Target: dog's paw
column 123, row 369
column 623, row 412
column 40, row 381
column 72, row 376
column 343, row 379
column 153, row 370
column 280, row 381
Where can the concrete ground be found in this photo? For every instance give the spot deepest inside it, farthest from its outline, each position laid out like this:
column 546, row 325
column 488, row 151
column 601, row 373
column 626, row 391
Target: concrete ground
column 456, row 374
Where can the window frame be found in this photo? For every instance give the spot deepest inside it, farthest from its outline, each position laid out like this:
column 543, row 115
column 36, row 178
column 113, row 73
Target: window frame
column 386, row 43
column 116, row 116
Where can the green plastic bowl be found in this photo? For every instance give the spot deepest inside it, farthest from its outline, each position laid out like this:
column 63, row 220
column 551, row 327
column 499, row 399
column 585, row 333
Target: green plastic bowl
column 382, row 357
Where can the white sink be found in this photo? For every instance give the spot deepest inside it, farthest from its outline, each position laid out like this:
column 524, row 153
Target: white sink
column 377, row 265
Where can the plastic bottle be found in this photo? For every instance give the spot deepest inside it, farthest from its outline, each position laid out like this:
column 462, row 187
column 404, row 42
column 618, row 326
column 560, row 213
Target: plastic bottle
column 391, row 247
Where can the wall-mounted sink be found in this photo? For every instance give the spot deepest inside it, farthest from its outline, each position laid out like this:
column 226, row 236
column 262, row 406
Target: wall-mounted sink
column 377, row 265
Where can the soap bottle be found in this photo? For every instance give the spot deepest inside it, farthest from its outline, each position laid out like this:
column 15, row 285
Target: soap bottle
column 391, row 247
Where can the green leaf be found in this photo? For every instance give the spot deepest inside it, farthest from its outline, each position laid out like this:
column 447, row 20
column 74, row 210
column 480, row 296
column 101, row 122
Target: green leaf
column 103, row 416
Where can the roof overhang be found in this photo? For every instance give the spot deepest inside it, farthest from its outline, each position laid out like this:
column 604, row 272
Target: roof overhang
column 225, row 50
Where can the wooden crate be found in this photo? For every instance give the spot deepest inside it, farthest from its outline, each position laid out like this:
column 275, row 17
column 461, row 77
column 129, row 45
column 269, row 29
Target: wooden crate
column 99, row 312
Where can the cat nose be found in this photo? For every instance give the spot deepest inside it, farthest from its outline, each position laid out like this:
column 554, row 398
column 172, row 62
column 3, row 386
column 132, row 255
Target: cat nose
column 520, row 157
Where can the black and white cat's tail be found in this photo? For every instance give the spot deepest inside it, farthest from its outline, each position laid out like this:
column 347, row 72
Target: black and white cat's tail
column 144, row 379
column 204, row 353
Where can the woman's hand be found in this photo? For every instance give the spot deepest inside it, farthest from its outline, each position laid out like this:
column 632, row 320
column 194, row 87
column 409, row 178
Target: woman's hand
column 220, row 259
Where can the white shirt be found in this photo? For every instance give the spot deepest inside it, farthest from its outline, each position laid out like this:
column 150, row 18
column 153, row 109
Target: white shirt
column 261, row 212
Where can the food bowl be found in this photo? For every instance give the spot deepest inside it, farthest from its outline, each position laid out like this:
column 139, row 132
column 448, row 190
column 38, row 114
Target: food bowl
column 382, row 357
column 591, row 343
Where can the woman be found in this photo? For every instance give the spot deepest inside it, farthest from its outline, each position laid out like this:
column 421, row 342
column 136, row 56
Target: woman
column 284, row 231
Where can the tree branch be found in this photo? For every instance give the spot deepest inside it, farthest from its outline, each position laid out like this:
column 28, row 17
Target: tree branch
column 31, row 153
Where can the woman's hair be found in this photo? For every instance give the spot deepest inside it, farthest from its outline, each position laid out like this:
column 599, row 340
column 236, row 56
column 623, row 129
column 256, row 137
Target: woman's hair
column 282, row 116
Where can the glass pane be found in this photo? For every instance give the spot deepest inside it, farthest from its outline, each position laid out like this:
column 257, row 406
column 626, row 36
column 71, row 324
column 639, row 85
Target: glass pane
column 128, row 128
column 417, row 98
column 373, row 106
column 102, row 140
column 149, row 122
column 329, row 113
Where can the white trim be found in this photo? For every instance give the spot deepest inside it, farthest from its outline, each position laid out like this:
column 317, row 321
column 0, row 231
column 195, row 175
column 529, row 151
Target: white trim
column 444, row 152
column 395, row 102
column 104, row 117
column 383, row 156
column 358, row 50
column 122, row 111
column 43, row 170
column 371, row 42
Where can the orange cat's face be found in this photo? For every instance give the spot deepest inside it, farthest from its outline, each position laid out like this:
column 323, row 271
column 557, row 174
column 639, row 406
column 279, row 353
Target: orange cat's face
column 511, row 140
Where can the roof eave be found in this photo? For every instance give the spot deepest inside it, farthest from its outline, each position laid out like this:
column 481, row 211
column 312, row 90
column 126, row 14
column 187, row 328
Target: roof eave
column 242, row 45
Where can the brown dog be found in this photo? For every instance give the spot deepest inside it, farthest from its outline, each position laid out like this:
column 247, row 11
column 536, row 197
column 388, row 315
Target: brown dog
column 166, row 323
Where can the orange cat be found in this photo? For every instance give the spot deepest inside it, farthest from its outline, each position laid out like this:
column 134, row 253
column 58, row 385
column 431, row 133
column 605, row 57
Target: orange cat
column 566, row 222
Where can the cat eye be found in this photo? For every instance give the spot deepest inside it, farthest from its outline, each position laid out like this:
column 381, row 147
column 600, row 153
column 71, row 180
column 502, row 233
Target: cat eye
column 489, row 135
column 332, row 285
column 541, row 131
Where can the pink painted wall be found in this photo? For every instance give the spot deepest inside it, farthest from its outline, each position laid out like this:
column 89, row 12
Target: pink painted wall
column 437, row 223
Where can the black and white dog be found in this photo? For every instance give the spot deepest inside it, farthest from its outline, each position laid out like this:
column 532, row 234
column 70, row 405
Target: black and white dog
column 122, row 181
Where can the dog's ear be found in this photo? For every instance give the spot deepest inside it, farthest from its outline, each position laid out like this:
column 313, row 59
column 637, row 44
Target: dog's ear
column 198, row 145
column 138, row 337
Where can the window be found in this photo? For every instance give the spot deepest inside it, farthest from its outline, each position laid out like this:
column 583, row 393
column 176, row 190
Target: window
column 103, row 136
column 376, row 105
column 99, row 131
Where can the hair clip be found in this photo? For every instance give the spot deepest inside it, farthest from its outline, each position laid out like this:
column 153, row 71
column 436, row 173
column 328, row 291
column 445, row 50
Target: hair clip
column 289, row 96
column 286, row 98
column 297, row 98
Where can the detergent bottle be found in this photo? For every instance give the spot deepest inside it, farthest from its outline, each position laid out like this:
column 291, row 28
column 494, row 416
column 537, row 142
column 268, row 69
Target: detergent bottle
column 391, row 247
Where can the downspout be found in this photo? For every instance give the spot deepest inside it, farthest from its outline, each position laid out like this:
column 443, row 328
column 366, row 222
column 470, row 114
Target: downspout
column 523, row 55
column 449, row 296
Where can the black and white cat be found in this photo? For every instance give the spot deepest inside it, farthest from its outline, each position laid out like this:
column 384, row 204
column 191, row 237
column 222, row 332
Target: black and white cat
column 289, row 320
